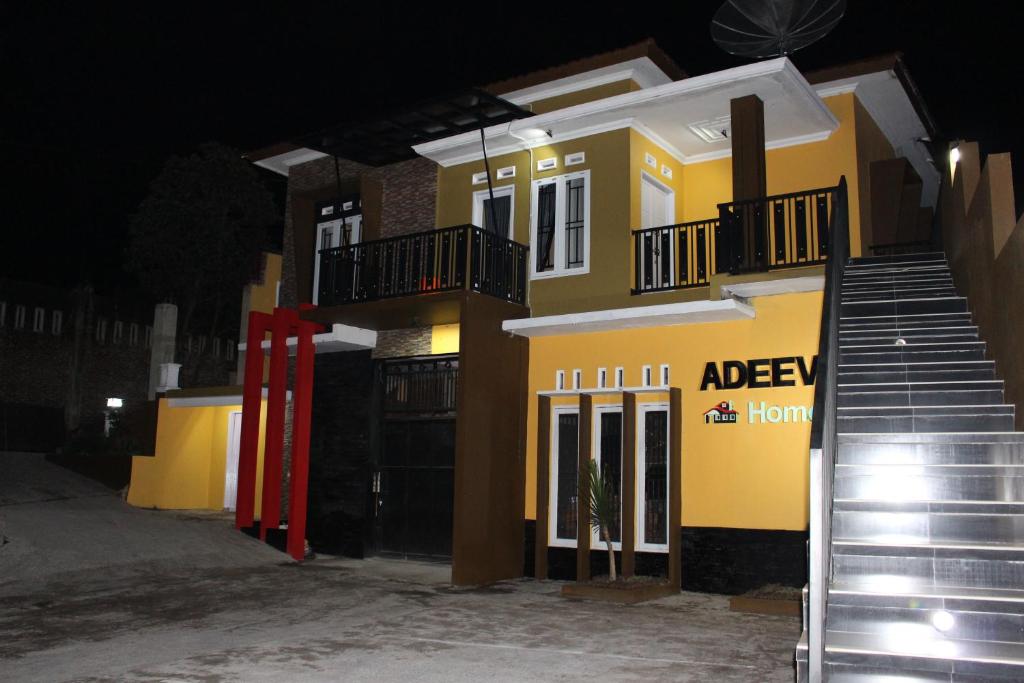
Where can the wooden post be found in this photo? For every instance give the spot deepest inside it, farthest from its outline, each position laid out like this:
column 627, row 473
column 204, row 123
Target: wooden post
column 749, row 179
column 675, row 486
column 583, row 490
column 540, row 553
column 628, row 531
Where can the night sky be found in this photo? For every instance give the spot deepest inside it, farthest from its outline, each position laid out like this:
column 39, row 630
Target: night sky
column 96, row 98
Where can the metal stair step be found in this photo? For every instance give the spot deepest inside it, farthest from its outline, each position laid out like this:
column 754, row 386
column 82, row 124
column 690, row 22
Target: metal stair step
column 916, row 353
column 954, row 482
column 901, row 258
column 929, row 527
column 932, row 453
column 887, row 373
column 904, row 321
column 917, row 306
column 924, row 654
column 975, row 565
column 853, row 397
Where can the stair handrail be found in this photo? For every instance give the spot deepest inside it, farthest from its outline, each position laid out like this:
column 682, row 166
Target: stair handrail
column 823, row 442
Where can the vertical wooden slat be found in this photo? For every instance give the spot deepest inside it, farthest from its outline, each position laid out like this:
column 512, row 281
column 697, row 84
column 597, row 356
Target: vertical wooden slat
column 628, row 484
column 540, row 556
column 583, row 489
column 675, row 483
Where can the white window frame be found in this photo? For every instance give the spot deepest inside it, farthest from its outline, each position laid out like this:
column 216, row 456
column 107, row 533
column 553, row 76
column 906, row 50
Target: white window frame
column 356, row 223
column 3, row 313
column 596, row 542
column 57, row 323
column 559, row 257
column 19, row 317
column 553, row 539
column 133, row 334
column 500, row 191
column 101, row 330
column 641, row 471
column 118, row 333
column 229, row 349
column 39, row 319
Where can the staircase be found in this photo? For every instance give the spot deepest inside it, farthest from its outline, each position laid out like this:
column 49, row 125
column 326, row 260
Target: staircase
column 928, row 498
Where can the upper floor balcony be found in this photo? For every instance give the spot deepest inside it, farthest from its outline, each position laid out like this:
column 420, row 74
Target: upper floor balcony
column 754, row 235
column 417, row 278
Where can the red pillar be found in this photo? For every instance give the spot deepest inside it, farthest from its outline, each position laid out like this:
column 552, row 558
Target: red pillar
column 273, row 448
column 252, row 390
column 302, row 402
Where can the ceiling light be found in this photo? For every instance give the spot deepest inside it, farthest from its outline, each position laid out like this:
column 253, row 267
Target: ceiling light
column 942, row 621
column 115, row 402
column 528, row 134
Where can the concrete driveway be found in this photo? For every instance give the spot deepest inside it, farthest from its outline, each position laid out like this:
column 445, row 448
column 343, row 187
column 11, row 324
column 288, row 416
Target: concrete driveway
column 268, row 619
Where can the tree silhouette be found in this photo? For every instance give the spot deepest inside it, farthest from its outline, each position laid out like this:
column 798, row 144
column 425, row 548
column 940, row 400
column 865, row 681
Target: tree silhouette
column 197, row 237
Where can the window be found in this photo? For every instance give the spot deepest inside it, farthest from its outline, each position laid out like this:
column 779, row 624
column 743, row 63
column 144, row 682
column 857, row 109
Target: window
column 118, row 331
column 229, row 349
column 202, row 344
column 560, row 230
column 664, row 375
column 647, row 375
column 19, row 317
column 608, row 454
column 101, row 330
column 559, row 380
column 652, row 478
column 577, row 379
column 620, row 377
column 56, row 322
column 504, row 199
column 3, row 313
column 216, row 346
column 602, row 378
column 133, row 334
column 564, row 471
column 38, row 320
column 149, row 336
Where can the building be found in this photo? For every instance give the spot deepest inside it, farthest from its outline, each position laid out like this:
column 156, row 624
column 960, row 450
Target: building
column 588, row 261
column 191, row 460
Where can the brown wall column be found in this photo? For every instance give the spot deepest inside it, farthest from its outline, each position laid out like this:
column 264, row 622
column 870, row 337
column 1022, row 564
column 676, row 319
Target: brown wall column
column 675, row 478
column 749, row 178
column 540, row 557
column 628, row 531
column 490, row 452
column 583, row 490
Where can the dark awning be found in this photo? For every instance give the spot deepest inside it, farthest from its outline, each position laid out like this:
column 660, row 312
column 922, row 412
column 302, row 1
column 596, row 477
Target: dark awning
column 390, row 138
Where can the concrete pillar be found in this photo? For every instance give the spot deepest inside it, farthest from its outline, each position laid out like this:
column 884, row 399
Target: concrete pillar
column 165, row 329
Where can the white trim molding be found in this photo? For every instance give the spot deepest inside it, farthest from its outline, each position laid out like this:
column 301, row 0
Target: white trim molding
column 629, row 318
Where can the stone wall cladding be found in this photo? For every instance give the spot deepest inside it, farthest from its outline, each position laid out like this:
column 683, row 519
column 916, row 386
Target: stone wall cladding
column 411, row 341
column 409, row 201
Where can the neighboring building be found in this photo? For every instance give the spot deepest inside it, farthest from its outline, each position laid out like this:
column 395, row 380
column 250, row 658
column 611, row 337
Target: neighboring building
column 650, row 251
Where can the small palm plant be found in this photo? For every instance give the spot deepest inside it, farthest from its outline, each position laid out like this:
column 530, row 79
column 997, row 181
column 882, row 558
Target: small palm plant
column 602, row 511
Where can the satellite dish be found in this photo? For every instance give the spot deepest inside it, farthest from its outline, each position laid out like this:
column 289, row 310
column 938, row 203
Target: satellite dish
column 773, row 28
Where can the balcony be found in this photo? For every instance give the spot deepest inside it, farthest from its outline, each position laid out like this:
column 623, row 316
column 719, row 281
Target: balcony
column 756, row 235
column 421, row 276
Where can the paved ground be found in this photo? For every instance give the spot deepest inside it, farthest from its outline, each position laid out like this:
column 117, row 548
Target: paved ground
column 350, row 620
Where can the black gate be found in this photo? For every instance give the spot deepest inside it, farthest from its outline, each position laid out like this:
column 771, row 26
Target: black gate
column 414, row 484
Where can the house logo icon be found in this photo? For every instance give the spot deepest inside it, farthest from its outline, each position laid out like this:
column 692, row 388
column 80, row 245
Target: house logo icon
column 721, row 413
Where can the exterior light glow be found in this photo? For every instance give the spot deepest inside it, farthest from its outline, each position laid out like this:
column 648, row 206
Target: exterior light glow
column 942, row 621
column 115, row 403
column 954, row 155
column 527, row 134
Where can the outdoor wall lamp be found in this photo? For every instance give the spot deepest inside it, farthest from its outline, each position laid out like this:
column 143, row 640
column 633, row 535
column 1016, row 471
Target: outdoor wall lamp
column 530, row 134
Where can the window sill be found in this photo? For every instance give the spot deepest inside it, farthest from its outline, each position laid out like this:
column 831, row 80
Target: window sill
column 550, row 274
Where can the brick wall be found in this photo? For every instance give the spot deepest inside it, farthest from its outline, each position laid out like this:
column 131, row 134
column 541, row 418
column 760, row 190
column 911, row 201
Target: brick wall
column 409, row 197
column 411, row 341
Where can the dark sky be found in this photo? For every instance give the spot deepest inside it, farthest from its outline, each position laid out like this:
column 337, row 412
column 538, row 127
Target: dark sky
column 96, row 98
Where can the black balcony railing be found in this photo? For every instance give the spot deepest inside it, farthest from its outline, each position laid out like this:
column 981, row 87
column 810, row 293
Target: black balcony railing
column 673, row 257
column 425, row 385
column 423, row 263
column 781, row 231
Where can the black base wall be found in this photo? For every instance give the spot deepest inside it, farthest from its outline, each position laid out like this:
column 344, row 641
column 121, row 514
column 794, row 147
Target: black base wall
column 734, row 561
column 715, row 560
column 340, row 454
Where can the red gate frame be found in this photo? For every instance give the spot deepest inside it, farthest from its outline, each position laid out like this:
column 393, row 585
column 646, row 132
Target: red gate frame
column 280, row 325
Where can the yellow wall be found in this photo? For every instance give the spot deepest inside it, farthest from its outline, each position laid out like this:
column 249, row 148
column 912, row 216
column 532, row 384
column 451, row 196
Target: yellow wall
column 751, row 476
column 607, row 156
column 187, row 470
column 444, row 339
column 599, row 92
column 262, row 295
column 616, row 160
column 872, row 145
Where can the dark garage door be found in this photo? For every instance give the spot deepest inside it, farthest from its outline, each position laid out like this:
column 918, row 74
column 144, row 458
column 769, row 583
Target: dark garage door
column 417, row 487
